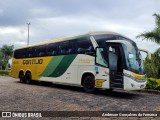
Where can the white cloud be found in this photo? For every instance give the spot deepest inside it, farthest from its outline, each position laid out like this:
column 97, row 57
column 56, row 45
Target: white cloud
column 1, row 11
column 12, row 36
column 52, row 19
column 9, row 30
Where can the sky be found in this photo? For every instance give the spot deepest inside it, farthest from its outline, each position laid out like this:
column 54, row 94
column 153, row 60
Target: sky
column 57, row 18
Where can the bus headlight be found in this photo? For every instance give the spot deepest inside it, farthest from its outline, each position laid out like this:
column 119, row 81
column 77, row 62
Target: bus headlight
column 138, row 76
column 130, row 76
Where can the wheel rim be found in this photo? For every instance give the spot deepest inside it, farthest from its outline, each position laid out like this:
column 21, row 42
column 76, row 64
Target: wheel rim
column 28, row 78
column 89, row 84
column 21, row 77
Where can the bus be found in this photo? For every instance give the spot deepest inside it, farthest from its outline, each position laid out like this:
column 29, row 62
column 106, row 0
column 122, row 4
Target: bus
column 102, row 59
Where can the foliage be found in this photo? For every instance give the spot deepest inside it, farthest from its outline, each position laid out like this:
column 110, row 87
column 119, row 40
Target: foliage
column 7, row 51
column 153, row 35
column 5, row 72
column 153, row 84
column 5, row 54
column 2, row 62
column 152, row 65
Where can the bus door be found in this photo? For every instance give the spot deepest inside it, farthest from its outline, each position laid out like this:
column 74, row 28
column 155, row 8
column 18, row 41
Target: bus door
column 116, row 63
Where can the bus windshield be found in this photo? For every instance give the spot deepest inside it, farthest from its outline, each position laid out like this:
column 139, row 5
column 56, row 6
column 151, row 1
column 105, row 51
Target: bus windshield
column 133, row 57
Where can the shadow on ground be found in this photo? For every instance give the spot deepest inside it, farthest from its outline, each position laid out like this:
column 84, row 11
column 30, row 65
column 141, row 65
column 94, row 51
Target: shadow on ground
column 115, row 93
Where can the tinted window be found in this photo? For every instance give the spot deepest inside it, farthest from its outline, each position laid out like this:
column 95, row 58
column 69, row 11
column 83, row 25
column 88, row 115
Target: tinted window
column 63, row 47
column 40, row 51
column 16, row 54
column 83, row 46
column 52, row 49
column 21, row 53
column 76, row 46
column 31, row 52
column 101, row 39
column 66, row 48
column 70, row 47
column 101, row 56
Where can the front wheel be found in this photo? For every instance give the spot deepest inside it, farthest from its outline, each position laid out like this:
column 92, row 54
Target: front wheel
column 89, row 84
column 28, row 78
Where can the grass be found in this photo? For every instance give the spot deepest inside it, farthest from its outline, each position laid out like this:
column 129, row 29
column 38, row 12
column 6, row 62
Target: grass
column 153, row 83
column 5, row 72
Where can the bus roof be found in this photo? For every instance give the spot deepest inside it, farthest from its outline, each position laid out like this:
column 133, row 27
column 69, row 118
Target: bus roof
column 72, row 37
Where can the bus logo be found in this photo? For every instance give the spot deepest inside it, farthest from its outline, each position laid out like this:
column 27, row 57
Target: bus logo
column 33, row 61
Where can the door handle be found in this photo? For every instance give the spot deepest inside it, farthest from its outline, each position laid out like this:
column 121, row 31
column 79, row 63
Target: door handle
column 68, row 73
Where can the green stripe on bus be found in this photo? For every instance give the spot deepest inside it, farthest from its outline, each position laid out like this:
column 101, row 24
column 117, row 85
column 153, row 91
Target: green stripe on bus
column 52, row 66
column 63, row 65
column 58, row 65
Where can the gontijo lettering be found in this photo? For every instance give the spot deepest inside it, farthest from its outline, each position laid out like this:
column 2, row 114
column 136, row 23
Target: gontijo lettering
column 33, row 61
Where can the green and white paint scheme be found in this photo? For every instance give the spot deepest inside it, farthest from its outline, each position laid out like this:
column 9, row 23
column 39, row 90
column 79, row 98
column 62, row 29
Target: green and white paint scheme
column 85, row 69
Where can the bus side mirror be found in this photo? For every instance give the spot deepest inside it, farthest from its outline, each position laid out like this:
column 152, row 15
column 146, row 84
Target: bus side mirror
column 145, row 51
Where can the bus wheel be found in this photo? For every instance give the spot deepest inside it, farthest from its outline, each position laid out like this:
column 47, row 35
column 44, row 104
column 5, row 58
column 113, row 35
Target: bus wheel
column 21, row 77
column 89, row 84
column 28, row 78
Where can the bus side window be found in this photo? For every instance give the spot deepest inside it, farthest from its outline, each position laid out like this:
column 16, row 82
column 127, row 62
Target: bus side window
column 80, row 45
column 49, row 49
column 55, row 49
column 62, row 48
column 84, row 46
column 74, row 46
column 17, row 54
column 30, row 52
column 40, row 51
column 52, row 49
column 23, row 53
column 69, row 47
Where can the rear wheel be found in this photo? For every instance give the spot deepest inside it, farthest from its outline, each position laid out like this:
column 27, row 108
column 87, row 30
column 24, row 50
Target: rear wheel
column 21, row 77
column 89, row 84
column 28, row 78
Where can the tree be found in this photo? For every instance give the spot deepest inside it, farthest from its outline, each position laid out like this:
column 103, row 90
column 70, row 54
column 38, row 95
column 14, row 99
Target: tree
column 152, row 65
column 153, row 35
column 6, row 54
column 2, row 62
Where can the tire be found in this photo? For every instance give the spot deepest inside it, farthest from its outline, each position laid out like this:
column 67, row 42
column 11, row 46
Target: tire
column 89, row 84
column 28, row 79
column 21, row 77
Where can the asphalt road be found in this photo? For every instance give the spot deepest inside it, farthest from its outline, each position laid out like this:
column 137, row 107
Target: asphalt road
column 16, row 96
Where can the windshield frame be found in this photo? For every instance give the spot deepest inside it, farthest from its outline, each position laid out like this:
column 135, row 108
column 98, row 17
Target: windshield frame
column 134, row 63
column 124, row 41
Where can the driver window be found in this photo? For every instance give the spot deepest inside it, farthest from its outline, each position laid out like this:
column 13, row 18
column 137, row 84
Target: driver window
column 100, row 57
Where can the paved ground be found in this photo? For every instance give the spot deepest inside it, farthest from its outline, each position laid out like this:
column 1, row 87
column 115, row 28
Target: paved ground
column 17, row 96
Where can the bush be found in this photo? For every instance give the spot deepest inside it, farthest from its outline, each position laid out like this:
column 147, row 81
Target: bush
column 5, row 72
column 153, row 83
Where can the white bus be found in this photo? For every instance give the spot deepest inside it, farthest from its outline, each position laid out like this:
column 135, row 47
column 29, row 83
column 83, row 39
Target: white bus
column 105, row 60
